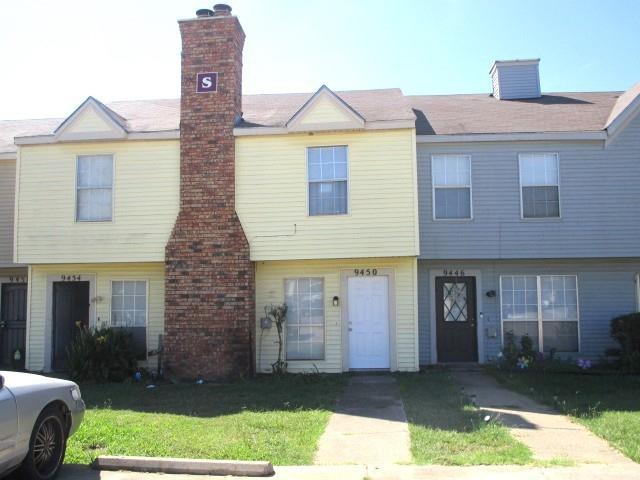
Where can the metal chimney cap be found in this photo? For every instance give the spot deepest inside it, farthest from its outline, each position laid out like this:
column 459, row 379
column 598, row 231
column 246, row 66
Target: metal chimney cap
column 204, row 12
column 220, row 9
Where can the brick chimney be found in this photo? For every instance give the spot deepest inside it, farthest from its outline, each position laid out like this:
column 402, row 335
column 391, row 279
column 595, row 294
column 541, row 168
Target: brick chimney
column 209, row 278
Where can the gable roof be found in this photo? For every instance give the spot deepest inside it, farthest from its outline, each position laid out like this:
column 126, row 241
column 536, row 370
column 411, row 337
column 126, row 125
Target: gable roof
column 327, row 92
column 481, row 114
column 276, row 109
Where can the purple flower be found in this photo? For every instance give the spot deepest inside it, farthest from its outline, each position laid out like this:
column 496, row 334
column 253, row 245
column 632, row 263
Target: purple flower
column 584, row 364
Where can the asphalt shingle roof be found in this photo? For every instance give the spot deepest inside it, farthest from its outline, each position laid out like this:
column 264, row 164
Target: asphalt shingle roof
column 435, row 114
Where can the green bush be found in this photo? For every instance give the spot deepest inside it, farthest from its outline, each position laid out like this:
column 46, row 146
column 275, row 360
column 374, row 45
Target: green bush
column 102, row 355
column 626, row 330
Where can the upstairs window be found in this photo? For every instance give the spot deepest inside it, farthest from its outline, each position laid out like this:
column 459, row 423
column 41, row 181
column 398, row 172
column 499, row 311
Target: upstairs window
column 94, row 188
column 327, row 167
column 539, row 181
column 451, row 178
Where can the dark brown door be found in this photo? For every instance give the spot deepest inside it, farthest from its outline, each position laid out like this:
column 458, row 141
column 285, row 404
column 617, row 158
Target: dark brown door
column 70, row 310
column 13, row 324
column 456, row 330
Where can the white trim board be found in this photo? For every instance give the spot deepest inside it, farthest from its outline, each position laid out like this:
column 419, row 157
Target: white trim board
column 513, row 137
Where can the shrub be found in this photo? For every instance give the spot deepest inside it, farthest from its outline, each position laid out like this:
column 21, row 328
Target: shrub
column 101, row 355
column 625, row 329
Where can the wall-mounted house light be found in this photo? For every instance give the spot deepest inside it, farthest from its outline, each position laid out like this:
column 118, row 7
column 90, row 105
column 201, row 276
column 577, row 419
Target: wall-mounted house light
column 336, row 301
column 491, row 293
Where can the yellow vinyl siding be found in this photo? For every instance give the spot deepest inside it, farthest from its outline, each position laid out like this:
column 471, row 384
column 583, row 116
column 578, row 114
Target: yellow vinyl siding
column 145, row 203
column 324, row 111
column 7, row 202
column 270, row 278
column 39, row 318
column 88, row 122
column 272, row 196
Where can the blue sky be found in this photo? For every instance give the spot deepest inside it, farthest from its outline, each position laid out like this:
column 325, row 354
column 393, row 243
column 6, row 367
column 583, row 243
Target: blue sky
column 55, row 54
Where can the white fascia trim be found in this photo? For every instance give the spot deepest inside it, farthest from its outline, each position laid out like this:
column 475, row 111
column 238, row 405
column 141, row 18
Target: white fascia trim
column 8, row 155
column 45, row 139
column 510, row 63
column 623, row 119
column 379, row 125
column 512, row 137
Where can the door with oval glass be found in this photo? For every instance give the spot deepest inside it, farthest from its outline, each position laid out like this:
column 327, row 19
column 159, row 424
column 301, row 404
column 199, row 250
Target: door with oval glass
column 456, row 326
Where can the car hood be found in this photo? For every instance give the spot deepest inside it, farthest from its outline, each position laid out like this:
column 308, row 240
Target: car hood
column 19, row 379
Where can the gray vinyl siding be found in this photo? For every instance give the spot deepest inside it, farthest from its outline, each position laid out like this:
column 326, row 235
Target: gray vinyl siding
column 599, row 202
column 517, row 81
column 606, row 288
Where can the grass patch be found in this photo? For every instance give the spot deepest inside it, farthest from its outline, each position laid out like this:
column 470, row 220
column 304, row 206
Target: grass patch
column 608, row 405
column 274, row 419
column 447, row 429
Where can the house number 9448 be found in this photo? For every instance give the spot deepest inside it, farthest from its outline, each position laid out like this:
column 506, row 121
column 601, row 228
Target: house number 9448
column 365, row 272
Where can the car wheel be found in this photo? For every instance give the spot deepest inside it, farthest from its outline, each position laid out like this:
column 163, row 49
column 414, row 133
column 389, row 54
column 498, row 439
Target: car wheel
column 46, row 447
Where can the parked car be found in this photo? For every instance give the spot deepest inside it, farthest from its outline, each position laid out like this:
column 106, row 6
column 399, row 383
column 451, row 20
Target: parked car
column 37, row 415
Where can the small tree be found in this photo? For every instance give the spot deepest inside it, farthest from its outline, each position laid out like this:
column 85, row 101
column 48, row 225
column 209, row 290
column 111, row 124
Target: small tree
column 278, row 314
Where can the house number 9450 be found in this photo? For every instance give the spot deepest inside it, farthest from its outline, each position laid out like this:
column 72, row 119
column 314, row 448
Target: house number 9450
column 365, row 272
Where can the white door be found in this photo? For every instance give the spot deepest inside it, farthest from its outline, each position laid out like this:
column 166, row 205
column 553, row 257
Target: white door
column 368, row 322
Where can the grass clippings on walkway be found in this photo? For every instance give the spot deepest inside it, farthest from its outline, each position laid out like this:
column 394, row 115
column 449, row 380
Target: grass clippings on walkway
column 608, row 405
column 447, row 429
column 274, row 419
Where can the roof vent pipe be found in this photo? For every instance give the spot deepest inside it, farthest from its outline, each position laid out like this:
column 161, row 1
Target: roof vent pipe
column 204, row 12
column 221, row 10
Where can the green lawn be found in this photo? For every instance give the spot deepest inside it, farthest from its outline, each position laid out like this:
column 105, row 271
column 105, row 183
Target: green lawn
column 609, row 405
column 275, row 419
column 446, row 429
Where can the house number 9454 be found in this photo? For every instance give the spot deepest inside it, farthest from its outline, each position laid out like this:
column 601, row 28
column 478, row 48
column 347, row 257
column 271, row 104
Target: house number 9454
column 70, row 278
column 365, row 272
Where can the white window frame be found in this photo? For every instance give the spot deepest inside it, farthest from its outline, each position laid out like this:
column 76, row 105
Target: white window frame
column 538, row 219
column 540, row 319
column 146, row 313
column 324, row 319
column 113, row 182
column 469, row 186
column 309, row 182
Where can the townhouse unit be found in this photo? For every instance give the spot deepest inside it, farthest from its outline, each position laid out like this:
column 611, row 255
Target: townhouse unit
column 399, row 230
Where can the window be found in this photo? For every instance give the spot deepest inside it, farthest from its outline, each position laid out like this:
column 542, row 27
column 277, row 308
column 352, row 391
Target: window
column 305, row 318
column 128, row 303
column 544, row 307
column 94, row 184
column 539, row 181
column 129, row 312
column 451, row 178
column 327, row 168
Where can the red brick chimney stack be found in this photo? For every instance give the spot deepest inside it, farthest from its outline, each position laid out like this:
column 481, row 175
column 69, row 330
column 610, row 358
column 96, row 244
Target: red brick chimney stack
column 209, row 278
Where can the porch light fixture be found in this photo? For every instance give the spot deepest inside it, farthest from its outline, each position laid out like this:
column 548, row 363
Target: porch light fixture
column 336, row 301
column 491, row 293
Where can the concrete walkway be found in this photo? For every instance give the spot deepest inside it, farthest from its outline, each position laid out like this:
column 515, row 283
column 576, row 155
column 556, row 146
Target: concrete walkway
column 390, row 472
column 546, row 432
column 368, row 427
